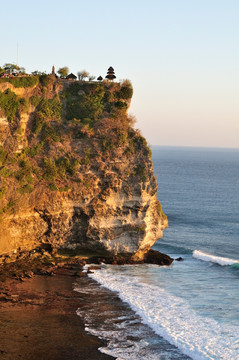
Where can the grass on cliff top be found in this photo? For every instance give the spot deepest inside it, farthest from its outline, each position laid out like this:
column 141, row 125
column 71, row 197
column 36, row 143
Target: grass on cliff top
column 84, row 102
column 24, row 82
column 87, row 101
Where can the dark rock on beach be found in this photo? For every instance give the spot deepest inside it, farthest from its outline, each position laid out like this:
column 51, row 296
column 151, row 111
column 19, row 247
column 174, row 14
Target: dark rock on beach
column 151, row 257
column 156, row 257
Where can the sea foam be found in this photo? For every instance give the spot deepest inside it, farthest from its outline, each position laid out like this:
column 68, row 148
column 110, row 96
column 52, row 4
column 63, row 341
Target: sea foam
column 215, row 259
column 171, row 317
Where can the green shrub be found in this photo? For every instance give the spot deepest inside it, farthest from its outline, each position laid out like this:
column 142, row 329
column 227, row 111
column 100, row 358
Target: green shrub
column 149, row 152
column 26, row 189
column 39, row 121
column 23, row 105
column 139, row 229
column 67, row 165
column 18, row 130
column 142, row 141
column 83, row 131
column 50, row 108
column 3, row 156
column 35, row 100
column 2, row 191
column 25, row 164
column 161, row 212
column 24, row 173
column 50, row 169
column 28, row 81
column 88, row 106
column 73, row 89
column 131, row 148
column 50, row 133
column 86, row 183
column 120, row 105
column 44, row 80
column 85, row 160
column 6, row 172
column 122, row 138
column 9, row 206
column 52, row 187
column 107, row 144
column 33, row 151
column 61, row 164
column 9, row 103
column 126, row 92
column 64, row 188
column 139, row 171
column 73, row 166
column 108, row 97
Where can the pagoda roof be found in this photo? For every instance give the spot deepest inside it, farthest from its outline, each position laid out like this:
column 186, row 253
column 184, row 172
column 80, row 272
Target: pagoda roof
column 110, row 76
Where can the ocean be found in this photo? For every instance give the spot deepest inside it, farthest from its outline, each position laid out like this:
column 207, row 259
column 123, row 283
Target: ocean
column 189, row 310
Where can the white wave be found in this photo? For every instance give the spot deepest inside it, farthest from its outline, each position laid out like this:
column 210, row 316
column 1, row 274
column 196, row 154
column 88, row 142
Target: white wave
column 171, row 317
column 215, row 259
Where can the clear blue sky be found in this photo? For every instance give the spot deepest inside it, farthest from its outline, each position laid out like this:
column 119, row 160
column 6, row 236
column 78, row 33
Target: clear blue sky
column 182, row 57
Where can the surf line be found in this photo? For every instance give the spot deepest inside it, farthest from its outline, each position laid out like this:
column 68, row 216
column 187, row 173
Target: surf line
column 200, row 255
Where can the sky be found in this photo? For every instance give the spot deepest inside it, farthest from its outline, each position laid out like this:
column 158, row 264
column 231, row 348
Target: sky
column 182, row 57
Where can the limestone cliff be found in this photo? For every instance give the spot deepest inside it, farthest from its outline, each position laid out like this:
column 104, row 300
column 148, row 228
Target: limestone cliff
column 74, row 174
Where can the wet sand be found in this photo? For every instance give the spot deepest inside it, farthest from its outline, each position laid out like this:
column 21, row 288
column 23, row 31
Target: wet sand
column 38, row 321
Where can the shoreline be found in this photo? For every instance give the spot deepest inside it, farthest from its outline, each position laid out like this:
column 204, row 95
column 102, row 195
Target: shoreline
column 45, row 306
column 39, row 321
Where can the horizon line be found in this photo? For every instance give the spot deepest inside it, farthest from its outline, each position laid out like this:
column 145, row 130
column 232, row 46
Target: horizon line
column 197, row 147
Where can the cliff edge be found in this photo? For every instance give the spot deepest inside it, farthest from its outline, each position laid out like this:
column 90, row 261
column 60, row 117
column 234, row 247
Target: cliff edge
column 74, row 173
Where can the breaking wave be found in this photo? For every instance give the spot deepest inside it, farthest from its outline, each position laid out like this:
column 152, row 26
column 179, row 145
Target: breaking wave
column 172, row 317
column 200, row 255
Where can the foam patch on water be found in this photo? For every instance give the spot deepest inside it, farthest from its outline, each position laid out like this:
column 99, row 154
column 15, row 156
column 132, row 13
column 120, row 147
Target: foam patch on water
column 215, row 259
column 171, row 317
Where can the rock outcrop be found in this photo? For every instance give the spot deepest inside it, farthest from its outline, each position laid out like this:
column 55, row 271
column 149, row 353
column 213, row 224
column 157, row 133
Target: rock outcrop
column 74, row 174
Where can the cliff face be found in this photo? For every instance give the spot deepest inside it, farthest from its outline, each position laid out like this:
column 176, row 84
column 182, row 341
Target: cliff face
column 74, row 174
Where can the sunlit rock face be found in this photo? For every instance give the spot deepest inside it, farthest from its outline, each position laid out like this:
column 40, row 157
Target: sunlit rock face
column 74, row 182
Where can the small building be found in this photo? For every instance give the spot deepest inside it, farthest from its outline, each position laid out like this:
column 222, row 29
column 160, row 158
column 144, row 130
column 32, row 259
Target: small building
column 110, row 74
column 71, row 77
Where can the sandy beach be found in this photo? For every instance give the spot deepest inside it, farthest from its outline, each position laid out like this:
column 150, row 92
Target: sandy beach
column 38, row 321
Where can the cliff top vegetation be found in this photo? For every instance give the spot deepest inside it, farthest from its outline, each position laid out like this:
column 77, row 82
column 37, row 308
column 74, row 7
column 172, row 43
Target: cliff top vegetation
column 54, row 135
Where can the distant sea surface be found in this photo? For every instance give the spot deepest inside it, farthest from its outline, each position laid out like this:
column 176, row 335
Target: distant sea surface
column 190, row 309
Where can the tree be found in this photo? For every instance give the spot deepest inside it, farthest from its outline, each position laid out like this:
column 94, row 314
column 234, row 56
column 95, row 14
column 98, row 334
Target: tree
column 83, row 74
column 91, row 77
column 22, row 70
column 110, row 74
column 10, row 68
column 63, row 72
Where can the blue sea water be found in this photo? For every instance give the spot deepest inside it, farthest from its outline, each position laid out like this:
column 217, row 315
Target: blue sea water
column 193, row 304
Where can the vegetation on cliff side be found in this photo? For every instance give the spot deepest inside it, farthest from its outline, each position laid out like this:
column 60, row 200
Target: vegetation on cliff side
column 70, row 132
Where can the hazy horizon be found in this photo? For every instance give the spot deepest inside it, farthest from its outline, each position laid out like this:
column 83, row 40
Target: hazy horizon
column 195, row 147
column 181, row 56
